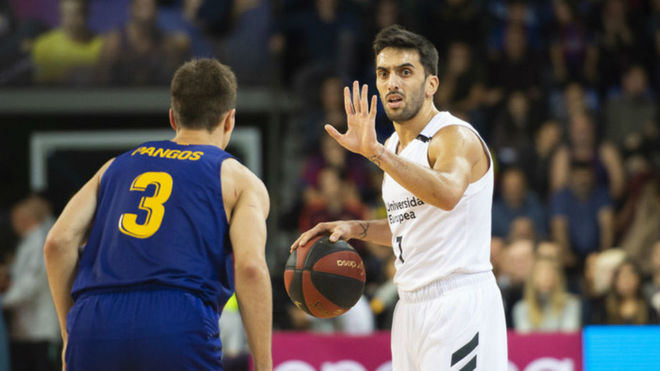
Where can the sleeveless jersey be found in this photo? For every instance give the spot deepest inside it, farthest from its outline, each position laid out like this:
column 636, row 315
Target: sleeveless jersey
column 160, row 222
column 429, row 243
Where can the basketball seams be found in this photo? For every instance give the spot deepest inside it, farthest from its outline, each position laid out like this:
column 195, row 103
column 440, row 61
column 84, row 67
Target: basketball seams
column 307, row 249
column 315, row 255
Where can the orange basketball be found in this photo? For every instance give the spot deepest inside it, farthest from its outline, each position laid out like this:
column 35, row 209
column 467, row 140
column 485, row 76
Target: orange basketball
column 323, row 278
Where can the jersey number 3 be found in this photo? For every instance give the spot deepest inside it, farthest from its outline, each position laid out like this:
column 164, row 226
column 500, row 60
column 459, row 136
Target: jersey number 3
column 153, row 205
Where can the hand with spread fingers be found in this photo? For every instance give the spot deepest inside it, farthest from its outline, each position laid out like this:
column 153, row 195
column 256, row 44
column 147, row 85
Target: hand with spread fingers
column 361, row 120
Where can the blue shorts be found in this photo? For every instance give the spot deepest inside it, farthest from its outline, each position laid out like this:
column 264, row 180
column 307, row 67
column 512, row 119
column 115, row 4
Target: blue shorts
column 143, row 330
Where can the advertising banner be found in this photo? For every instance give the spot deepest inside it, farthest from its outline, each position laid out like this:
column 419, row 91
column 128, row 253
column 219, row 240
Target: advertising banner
column 311, row 352
column 545, row 352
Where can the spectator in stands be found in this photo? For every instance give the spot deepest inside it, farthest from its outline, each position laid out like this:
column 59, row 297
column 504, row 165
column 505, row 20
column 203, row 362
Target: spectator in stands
column 141, row 53
column 516, row 265
column 385, row 296
column 583, row 146
column 325, row 107
column 616, row 42
column 546, row 305
column 582, row 217
column 522, row 228
column 627, row 114
column 514, row 13
column 652, row 287
column 388, row 13
column 331, row 154
column 244, row 46
column 69, row 53
column 573, row 99
column 462, row 82
column 512, row 130
column 332, row 199
column 184, row 19
column 16, row 38
column 34, row 329
column 644, row 228
column 446, row 22
column 571, row 51
column 599, row 268
column 315, row 40
column 625, row 303
column 546, row 142
column 515, row 69
column 550, row 250
column 516, row 200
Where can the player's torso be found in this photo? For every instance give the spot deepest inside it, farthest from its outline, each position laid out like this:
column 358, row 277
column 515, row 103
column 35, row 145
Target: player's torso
column 430, row 243
column 160, row 221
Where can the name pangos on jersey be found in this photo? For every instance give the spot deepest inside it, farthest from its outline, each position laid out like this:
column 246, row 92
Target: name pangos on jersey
column 161, row 222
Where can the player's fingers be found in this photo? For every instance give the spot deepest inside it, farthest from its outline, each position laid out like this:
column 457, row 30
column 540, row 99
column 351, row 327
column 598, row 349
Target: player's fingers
column 308, row 235
column 372, row 110
column 335, row 135
column 356, row 96
column 332, row 131
column 348, row 104
column 295, row 244
column 364, row 101
column 335, row 236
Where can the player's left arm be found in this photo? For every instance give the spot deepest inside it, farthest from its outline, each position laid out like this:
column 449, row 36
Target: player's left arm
column 62, row 243
column 453, row 152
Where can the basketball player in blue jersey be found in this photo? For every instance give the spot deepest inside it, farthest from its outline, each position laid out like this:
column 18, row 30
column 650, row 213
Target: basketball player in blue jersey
column 437, row 189
column 169, row 230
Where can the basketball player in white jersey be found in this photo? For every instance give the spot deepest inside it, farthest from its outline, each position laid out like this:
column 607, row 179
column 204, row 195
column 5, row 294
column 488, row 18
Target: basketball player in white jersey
column 437, row 189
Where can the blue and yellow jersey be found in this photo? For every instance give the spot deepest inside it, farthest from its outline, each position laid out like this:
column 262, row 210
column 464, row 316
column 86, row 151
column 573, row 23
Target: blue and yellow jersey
column 160, row 222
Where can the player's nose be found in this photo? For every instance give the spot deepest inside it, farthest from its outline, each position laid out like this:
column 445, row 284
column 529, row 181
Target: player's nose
column 393, row 83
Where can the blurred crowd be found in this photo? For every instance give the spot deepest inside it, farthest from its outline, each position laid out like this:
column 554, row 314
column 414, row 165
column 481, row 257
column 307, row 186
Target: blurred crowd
column 564, row 92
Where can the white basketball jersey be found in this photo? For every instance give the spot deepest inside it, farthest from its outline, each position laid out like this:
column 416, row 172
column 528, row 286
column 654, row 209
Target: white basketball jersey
column 429, row 243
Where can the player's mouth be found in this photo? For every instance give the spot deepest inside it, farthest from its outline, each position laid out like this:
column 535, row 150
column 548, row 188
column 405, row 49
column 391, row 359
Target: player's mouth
column 394, row 100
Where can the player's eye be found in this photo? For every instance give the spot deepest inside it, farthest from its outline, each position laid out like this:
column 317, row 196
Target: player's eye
column 406, row 72
column 382, row 74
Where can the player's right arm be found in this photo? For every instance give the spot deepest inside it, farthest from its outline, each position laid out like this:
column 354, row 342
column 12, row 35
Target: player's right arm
column 247, row 203
column 376, row 231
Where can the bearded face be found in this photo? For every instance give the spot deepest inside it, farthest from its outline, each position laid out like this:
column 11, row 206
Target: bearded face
column 401, row 83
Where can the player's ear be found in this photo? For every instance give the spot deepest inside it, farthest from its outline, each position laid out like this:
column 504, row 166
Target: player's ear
column 432, row 83
column 172, row 121
column 230, row 121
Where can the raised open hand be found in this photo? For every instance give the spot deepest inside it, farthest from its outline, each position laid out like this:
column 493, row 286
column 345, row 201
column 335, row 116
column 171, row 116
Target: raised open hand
column 360, row 137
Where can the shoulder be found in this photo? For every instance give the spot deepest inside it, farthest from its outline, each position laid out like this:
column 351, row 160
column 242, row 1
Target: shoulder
column 237, row 180
column 456, row 141
column 50, row 36
column 104, row 168
column 43, row 43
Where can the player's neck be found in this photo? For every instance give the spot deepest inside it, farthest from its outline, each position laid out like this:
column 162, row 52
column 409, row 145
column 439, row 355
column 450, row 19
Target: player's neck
column 410, row 129
column 202, row 137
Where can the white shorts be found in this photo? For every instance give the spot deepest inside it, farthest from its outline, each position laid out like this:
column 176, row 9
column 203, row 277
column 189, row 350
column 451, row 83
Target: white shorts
column 455, row 324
